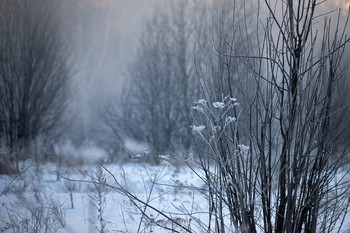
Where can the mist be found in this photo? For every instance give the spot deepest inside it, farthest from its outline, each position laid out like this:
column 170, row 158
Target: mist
column 130, row 60
column 104, row 37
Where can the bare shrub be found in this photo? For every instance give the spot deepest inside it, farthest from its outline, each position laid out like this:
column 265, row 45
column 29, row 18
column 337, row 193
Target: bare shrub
column 35, row 210
column 273, row 163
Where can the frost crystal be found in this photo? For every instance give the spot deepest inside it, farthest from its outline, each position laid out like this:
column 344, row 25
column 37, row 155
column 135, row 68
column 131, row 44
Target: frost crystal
column 164, row 157
column 233, row 99
column 229, row 119
column 165, row 160
column 198, row 129
column 202, row 102
column 219, row 105
column 200, row 109
column 137, row 156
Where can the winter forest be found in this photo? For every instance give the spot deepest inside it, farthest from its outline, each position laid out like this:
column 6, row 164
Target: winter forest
column 140, row 116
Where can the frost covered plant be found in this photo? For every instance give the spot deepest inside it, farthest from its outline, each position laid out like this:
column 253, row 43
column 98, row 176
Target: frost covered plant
column 197, row 129
column 33, row 209
column 99, row 190
column 215, row 119
column 229, row 119
column 220, row 156
column 219, row 105
column 41, row 214
column 165, row 160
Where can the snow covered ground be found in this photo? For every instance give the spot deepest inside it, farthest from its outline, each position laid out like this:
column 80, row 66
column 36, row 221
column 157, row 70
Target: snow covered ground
column 164, row 187
column 65, row 200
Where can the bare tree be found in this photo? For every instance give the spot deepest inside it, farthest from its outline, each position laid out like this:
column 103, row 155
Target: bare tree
column 155, row 108
column 34, row 72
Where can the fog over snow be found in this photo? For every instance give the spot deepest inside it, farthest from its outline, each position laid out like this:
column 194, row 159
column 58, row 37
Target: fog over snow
column 105, row 39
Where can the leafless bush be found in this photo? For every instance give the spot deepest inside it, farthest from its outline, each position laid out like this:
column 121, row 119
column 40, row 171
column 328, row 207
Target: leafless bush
column 274, row 164
column 34, row 210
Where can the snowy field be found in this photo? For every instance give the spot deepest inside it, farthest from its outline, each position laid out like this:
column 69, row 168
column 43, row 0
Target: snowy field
column 51, row 198
column 176, row 192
